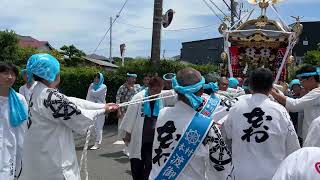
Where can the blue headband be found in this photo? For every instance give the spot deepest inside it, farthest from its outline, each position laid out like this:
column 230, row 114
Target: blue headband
column 188, row 92
column 294, row 82
column 212, row 85
column 132, row 75
column 96, row 86
column 166, row 78
column 44, row 66
column 310, row 73
column 233, row 82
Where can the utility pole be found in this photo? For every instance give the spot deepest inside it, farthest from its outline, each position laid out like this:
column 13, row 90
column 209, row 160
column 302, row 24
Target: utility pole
column 156, row 33
column 110, row 53
column 233, row 6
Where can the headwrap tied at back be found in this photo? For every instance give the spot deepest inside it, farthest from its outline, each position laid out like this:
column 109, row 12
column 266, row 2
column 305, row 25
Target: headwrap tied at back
column 213, row 86
column 189, row 91
column 96, row 86
column 43, row 65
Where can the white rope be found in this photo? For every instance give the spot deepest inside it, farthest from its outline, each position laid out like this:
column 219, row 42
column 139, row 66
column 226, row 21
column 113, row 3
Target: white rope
column 145, row 100
column 84, row 157
column 289, row 48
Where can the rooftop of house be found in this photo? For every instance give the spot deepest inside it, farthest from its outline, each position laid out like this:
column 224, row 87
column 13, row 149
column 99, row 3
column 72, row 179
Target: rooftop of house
column 101, row 62
column 28, row 41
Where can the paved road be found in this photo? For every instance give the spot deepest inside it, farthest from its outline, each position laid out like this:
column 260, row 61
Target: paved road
column 107, row 163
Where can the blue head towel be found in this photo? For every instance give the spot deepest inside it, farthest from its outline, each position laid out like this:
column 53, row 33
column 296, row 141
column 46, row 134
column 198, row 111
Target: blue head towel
column 188, row 92
column 168, row 76
column 44, row 66
column 233, row 82
column 213, row 86
column 147, row 108
column 310, row 73
column 132, row 75
column 294, row 82
column 96, row 86
column 17, row 111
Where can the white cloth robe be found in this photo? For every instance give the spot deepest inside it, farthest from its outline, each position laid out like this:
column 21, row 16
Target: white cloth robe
column 253, row 160
column 313, row 137
column 200, row 167
column 26, row 92
column 98, row 96
column 303, row 164
column 49, row 149
column 309, row 104
column 11, row 141
column 134, row 119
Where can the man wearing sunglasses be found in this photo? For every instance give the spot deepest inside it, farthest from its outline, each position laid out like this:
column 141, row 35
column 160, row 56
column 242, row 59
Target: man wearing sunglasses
column 310, row 103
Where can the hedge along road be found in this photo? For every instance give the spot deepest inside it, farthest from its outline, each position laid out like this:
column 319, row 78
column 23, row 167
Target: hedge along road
column 108, row 162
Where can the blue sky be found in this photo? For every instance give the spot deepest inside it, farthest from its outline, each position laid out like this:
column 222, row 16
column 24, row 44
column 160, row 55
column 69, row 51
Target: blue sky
column 83, row 22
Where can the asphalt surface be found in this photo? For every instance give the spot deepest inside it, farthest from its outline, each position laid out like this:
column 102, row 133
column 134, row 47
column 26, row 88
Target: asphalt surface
column 108, row 162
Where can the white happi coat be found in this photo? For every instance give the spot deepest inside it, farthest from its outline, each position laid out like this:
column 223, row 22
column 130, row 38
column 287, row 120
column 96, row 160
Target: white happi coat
column 134, row 119
column 26, row 92
column 49, row 149
column 211, row 161
column 11, row 141
column 313, row 137
column 309, row 104
column 262, row 136
column 98, row 96
column 303, row 164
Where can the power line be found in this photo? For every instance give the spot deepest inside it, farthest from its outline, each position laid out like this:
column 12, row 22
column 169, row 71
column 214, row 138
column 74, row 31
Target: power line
column 180, row 29
column 215, row 5
column 214, row 12
column 117, row 16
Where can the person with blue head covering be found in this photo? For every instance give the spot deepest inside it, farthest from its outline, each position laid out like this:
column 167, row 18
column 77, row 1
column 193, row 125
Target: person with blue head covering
column 49, row 144
column 13, row 123
column 172, row 124
column 233, row 83
column 139, row 126
column 97, row 93
column 310, row 103
column 27, row 88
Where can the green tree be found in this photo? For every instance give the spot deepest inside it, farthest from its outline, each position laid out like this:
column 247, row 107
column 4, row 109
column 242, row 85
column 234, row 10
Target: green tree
column 312, row 57
column 8, row 46
column 24, row 54
column 73, row 56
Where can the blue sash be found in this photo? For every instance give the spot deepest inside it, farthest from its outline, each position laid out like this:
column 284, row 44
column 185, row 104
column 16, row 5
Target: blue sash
column 190, row 141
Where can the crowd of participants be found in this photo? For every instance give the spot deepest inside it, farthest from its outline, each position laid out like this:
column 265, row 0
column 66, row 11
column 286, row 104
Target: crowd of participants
column 179, row 126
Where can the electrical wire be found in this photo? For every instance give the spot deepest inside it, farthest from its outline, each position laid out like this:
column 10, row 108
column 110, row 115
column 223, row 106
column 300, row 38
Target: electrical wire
column 180, row 29
column 105, row 34
column 214, row 12
column 215, row 5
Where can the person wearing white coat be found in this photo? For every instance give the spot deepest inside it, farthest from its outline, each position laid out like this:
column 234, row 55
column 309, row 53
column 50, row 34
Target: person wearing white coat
column 97, row 93
column 13, row 116
column 260, row 131
column 49, row 149
column 309, row 104
column 139, row 123
column 304, row 164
